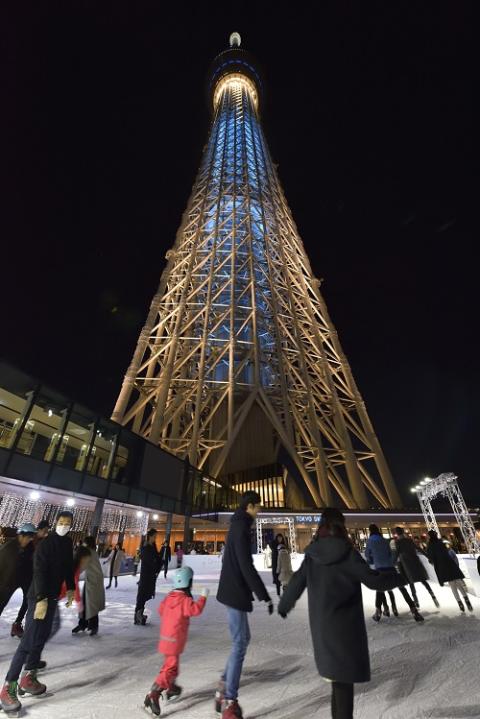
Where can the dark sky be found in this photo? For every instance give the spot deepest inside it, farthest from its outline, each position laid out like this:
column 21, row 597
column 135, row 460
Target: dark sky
column 369, row 115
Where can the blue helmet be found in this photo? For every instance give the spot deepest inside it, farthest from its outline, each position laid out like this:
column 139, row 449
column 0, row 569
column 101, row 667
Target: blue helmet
column 26, row 528
column 183, row 578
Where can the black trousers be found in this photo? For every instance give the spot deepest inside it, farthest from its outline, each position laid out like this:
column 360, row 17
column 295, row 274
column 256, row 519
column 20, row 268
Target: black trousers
column 8, row 594
column 83, row 622
column 342, row 700
column 414, row 591
column 142, row 598
column 37, row 632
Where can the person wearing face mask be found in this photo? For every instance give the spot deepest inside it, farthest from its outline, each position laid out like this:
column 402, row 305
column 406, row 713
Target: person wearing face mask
column 52, row 565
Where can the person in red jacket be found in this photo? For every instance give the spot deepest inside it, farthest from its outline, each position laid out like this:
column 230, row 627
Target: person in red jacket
column 175, row 611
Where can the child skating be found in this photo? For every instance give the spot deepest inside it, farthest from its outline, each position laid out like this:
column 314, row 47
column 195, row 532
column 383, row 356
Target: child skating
column 175, row 611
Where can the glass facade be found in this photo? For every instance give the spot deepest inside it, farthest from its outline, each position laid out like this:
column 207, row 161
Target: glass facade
column 82, row 450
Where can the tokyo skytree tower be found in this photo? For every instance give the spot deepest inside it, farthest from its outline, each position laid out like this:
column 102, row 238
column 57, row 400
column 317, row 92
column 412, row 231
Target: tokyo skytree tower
column 239, row 367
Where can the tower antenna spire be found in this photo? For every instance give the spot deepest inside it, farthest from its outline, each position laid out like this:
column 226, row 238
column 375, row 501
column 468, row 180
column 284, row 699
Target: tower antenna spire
column 235, row 39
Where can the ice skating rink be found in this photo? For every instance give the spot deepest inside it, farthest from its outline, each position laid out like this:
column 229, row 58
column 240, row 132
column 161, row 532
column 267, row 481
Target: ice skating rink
column 430, row 670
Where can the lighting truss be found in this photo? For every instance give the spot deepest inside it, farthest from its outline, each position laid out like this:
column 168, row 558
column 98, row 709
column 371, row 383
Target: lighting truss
column 262, row 521
column 446, row 485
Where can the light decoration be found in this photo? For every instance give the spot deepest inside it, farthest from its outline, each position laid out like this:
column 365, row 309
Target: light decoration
column 16, row 509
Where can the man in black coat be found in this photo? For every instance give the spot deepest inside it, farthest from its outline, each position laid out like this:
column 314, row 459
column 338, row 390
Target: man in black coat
column 16, row 569
column 238, row 581
column 279, row 539
column 165, row 557
column 150, row 568
column 52, row 565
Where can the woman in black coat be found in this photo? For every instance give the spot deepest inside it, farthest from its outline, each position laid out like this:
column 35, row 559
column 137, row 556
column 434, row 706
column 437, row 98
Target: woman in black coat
column 447, row 569
column 333, row 572
column 410, row 565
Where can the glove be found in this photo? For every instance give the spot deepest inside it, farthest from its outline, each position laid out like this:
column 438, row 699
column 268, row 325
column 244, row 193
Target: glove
column 70, row 597
column 270, row 607
column 41, row 609
column 205, row 592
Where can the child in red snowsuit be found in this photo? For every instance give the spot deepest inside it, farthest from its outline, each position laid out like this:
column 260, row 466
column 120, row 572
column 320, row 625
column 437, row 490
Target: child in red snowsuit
column 175, row 611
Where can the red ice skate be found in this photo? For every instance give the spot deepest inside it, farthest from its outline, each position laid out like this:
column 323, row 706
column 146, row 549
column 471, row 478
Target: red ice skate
column 16, row 630
column 231, row 709
column 29, row 684
column 9, row 700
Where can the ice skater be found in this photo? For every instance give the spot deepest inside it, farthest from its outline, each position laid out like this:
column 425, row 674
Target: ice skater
column 16, row 571
column 284, row 566
column 447, row 569
column 93, row 593
column 165, row 557
column 279, row 540
column 333, row 572
column 379, row 555
column 175, row 612
column 150, row 567
column 52, row 565
column 116, row 559
column 410, row 565
column 238, row 581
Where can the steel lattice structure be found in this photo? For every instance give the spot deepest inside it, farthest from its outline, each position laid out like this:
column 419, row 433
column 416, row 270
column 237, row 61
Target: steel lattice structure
column 446, row 485
column 261, row 522
column 238, row 342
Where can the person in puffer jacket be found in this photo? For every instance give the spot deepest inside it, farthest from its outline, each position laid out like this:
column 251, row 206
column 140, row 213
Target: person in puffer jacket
column 175, row 611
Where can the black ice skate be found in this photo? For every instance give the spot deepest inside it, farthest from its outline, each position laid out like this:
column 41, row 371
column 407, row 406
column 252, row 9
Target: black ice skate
column 152, row 700
column 461, row 605
column 416, row 615
column 377, row 616
column 140, row 618
column 467, row 602
column 174, row 692
column 219, row 696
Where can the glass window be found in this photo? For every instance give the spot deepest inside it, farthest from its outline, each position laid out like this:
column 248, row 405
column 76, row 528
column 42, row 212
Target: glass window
column 43, row 428
column 127, row 457
column 15, row 390
column 102, row 457
column 76, row 440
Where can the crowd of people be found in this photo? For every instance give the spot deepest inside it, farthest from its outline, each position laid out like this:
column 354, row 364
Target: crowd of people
column 45, row 566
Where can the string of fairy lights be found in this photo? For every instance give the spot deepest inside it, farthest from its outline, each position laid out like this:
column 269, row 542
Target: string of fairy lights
column 16, row 509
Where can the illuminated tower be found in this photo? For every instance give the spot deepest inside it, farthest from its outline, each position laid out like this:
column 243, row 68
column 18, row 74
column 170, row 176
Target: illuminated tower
column 239, row 367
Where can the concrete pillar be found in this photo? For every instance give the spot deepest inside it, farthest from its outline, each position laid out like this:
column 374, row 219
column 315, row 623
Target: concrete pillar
column 168, row 527
column 186, row 534
column 97, row 517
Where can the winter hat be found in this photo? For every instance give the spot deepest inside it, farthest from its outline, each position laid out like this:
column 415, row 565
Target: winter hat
column 182, row 578
column 26, row 528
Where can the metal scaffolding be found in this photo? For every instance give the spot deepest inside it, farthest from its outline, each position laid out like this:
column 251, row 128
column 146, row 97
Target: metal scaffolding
column 238, row 333
column 262, row 522
column 446, row 485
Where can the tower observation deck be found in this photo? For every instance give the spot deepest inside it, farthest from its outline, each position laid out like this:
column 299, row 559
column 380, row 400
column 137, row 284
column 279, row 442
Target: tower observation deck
column 239, row 367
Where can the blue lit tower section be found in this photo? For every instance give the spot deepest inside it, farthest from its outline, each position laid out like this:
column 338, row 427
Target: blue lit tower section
column 239, row 367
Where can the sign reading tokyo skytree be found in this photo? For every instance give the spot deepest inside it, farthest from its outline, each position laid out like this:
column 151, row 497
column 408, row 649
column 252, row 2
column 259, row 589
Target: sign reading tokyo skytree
column 239, row 367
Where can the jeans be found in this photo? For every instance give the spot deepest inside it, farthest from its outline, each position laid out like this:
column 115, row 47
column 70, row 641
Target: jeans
column 240, row 634
column 37, row 632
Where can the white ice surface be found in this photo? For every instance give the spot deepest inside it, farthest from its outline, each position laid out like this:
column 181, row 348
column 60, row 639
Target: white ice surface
column 430, row 670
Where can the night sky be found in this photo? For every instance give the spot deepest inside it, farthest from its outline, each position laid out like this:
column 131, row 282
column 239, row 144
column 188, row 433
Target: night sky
column 368, row 114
